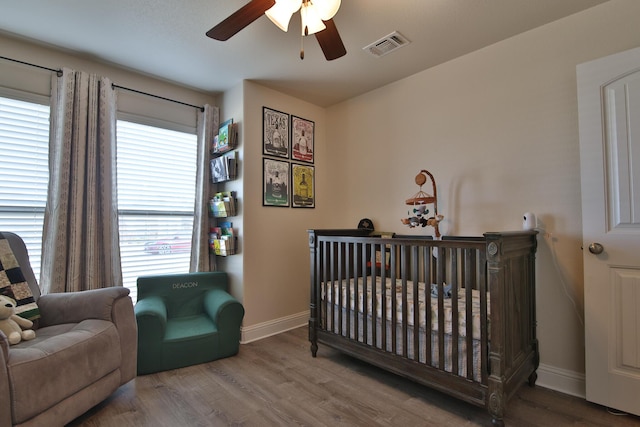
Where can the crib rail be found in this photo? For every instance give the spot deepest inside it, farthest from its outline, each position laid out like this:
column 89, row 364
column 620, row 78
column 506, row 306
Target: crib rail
column 426, row 273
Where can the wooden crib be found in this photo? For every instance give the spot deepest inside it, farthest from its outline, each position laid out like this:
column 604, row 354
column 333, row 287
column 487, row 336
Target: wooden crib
column 456, row 314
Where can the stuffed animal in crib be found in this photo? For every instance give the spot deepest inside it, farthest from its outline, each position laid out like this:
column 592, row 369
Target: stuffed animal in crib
column 14, row 327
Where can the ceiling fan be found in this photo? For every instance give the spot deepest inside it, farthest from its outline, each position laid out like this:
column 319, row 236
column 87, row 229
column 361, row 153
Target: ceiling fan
column 316, row 16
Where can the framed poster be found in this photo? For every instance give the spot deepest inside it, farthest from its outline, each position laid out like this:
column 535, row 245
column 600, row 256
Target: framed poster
column 303, row 186
column 275, row 133
column 302, row 144
column 275, row 182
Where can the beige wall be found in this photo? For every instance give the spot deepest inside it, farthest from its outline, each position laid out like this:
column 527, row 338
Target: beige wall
column 275, row 243
column 498, row 128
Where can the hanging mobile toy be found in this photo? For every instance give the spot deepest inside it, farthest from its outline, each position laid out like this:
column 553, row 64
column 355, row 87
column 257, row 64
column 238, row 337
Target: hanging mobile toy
column 418, row 215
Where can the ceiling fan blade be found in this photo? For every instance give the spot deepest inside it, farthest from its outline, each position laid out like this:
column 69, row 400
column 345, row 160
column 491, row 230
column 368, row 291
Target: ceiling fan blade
column 330, row 41
column 240, row 19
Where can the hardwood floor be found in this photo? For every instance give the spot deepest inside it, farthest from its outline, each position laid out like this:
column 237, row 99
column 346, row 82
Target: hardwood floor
column 276, row 382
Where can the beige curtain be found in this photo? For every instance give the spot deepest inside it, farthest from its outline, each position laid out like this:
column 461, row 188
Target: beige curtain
column 80, row 248
column 207, row 126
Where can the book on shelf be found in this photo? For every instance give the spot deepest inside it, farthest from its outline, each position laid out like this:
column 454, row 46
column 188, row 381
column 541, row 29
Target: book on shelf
column 226, row 228
column 214, row 146
column 232, row 165
column 227, row 138
column 224, row 168
column 223, row 204
column 222, row 239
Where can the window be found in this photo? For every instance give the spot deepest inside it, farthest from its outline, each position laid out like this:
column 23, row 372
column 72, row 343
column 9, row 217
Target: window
column 24, row 169
column 156, row 187
column 156, row 170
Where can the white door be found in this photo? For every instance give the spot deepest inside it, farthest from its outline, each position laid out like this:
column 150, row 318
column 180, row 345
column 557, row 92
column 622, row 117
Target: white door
column 609, row 113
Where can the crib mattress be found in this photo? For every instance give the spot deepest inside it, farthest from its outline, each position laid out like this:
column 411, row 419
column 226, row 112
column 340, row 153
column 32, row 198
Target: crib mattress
column 344, row 293
column 346, row 300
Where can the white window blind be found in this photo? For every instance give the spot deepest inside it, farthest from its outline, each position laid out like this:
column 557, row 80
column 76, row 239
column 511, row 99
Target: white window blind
column 24, row 171
column 156, row 169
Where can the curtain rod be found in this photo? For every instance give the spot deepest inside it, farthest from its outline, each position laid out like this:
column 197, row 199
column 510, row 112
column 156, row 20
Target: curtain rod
column 57, row 71
column 113, row 85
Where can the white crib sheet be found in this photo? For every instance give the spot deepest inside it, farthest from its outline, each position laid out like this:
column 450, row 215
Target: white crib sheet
column 342, row 287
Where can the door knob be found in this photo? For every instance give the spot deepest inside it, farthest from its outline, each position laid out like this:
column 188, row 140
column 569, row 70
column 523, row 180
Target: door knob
column 596, row 248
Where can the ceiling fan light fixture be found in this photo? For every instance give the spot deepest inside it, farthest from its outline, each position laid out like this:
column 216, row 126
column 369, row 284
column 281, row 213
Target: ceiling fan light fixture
column 281, row 12
column 327, row 8
column 311, row 20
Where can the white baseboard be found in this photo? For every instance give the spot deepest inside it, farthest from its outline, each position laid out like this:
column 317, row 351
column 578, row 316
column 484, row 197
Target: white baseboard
column 273, row 327
column 562, row 380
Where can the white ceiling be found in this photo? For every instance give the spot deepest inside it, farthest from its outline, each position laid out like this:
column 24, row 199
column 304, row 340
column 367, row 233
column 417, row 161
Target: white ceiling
column 167, row 39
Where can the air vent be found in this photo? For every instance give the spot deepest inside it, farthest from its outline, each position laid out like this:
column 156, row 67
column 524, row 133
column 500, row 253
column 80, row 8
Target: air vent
column 387, row 44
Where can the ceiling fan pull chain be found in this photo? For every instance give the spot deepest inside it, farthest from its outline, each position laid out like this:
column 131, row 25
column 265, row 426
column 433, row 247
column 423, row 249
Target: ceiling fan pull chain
column 302, row 47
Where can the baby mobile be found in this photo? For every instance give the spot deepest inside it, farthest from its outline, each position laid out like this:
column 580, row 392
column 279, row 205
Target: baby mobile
column 418, row 213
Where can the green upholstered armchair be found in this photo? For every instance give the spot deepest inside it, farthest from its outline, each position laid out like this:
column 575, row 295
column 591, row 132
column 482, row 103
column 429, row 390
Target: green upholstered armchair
column 185, row 319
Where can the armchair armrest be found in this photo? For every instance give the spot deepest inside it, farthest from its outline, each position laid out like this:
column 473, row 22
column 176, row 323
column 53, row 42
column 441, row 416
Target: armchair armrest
column 151, row 317
column 223, row 308
column 226, row 313
column 110, row 304
column 74, row 307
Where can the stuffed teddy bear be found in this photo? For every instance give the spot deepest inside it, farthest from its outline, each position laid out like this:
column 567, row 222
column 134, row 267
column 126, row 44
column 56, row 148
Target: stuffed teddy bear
column 12, row 325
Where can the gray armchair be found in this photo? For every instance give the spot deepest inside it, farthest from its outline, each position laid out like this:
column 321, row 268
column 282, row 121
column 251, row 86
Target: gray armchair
column 85, row 348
